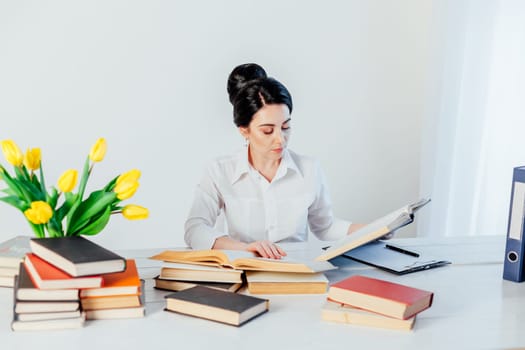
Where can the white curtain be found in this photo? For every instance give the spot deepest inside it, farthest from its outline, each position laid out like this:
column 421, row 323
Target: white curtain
column 474, row 124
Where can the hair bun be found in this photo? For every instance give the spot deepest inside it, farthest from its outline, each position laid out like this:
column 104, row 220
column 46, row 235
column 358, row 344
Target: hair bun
column 241, row 76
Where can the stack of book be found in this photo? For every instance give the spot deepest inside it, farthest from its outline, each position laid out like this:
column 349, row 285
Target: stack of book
column 12, row 253
column 267, row 282
column 179, row 276
column 373, row 302
column 51, row 291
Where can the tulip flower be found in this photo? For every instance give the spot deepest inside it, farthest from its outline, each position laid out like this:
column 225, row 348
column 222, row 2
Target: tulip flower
column 12, row 153
column 135, row 212
column 32, row 159
column 126, row 189
column 39, row 213
column 132, row 175
column 68, row 180
column 98, row 151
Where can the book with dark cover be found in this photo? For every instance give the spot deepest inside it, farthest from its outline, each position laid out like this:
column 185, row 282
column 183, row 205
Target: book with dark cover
column 13, row 251
column 77, row 255
column 216, row 305
column 25, row 289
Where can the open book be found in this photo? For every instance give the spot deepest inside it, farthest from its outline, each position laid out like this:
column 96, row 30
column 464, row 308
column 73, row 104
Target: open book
column 375, row 230
column 242, row 260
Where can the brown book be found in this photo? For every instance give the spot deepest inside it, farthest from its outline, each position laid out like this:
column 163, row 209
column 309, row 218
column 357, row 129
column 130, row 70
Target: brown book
column 26, row 289
column 51, row 324
column 383, row 297
column 263, row 282
column 337, row 312
column 176, row 286
column 110, row 302
column 189, row 272
column 216, row 305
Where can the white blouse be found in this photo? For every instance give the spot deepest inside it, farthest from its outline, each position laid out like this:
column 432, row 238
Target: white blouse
column 256, row 209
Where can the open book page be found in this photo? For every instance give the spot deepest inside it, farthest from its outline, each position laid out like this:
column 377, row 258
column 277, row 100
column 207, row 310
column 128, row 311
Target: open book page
column 373, row 231
column 243, row 260
column 193, row 267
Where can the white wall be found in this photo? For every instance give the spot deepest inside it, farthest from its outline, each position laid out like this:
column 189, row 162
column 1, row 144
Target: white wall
column 150, row 77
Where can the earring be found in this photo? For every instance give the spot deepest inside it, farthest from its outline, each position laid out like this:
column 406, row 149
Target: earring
column 246, row 142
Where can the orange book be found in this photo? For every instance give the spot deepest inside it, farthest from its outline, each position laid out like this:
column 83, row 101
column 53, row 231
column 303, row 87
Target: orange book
column 47, row 276
column 126, row 282
column 387, row 298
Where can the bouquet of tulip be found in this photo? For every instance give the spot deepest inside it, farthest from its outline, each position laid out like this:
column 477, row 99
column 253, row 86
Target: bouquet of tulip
column 59, row 211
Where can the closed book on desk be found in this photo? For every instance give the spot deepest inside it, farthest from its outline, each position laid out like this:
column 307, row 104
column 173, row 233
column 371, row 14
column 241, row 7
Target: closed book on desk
column 199, row 273
column 25, row 289
column 216, row 305
column 110, row 302
column 337, row 312
column 386, row 298
column 13, row 251
column 263, row 282
column 77, row 255
column 241, row 260
column 48, row 276
column 120, row 312
column 175, row 285
column 117, row 283
column 47, row 325
column 375, row 230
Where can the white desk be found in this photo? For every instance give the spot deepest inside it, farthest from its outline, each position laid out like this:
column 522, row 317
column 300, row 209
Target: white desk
column 473, row 309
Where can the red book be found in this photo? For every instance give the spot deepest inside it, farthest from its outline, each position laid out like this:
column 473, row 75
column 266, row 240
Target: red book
column 117, row 283
column 383, row 297
column 47, row 276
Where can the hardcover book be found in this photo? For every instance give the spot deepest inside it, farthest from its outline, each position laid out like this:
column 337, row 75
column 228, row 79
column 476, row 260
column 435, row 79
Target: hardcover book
column 47, row 276
column 216, row 305
column 336, row 312
column 375, row 230
column 25, row 289
column 200, row 273
column 120, row 312
column 176, row 286
column 13, row 251
column 77, row 255
column 110, row 302
column 117, row 283
column 52, row 324
column 383, row 297
column 241, row 260
column 263, row 282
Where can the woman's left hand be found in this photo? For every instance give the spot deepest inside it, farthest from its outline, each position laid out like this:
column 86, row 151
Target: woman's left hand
column 266, row 249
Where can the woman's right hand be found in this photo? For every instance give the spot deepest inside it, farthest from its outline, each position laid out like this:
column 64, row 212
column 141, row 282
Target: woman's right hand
column 266, row 249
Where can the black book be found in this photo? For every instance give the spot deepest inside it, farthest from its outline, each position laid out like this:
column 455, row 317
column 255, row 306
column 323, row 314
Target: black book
column 216, row 305
column 25, row 289
column 77, row 255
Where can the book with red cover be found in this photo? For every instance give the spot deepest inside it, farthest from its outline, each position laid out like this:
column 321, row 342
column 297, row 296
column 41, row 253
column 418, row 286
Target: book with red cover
column 118, row 283
column 47, row 276
column 384, row 297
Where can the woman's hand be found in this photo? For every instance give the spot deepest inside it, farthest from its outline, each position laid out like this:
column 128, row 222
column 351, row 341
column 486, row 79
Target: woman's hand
column 266, row 249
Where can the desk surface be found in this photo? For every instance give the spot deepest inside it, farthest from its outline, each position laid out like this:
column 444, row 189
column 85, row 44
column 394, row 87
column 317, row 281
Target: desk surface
column 473, row 309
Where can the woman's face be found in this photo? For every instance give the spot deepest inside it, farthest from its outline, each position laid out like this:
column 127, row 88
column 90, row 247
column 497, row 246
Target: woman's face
column 268, row 132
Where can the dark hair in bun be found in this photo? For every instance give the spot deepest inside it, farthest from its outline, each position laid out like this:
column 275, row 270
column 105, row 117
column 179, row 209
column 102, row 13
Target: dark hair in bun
column 249, row 89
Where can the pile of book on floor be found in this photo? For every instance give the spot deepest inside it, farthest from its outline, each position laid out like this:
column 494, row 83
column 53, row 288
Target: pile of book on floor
column 67, row 280
column 12, row 253
column 374, row 302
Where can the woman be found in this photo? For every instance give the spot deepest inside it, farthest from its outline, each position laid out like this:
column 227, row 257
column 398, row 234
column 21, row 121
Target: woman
column 267, row 192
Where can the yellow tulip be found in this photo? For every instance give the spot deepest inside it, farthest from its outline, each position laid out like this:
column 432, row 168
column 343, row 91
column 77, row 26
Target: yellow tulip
column 32, row 159
column 39, row 213
column 98, row 151
column 135, row 212
column 12, row 153
column 132, row 175
column 126, row 189
column 68, row 180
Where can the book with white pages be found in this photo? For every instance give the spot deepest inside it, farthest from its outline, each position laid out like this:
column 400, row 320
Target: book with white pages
column 201, row 273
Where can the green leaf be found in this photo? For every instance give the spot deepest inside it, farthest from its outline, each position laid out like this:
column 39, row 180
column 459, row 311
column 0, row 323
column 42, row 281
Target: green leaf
column 83, row 179
column 15, row 202
column 95, row 225
column 42, row 182
column 9, row 191
column 52, row 198
column 33, row 191
column 93, row 205
column 38, row 229
column 66, row 206
column 14, row 185
column 109, row 187
column 54, row 228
